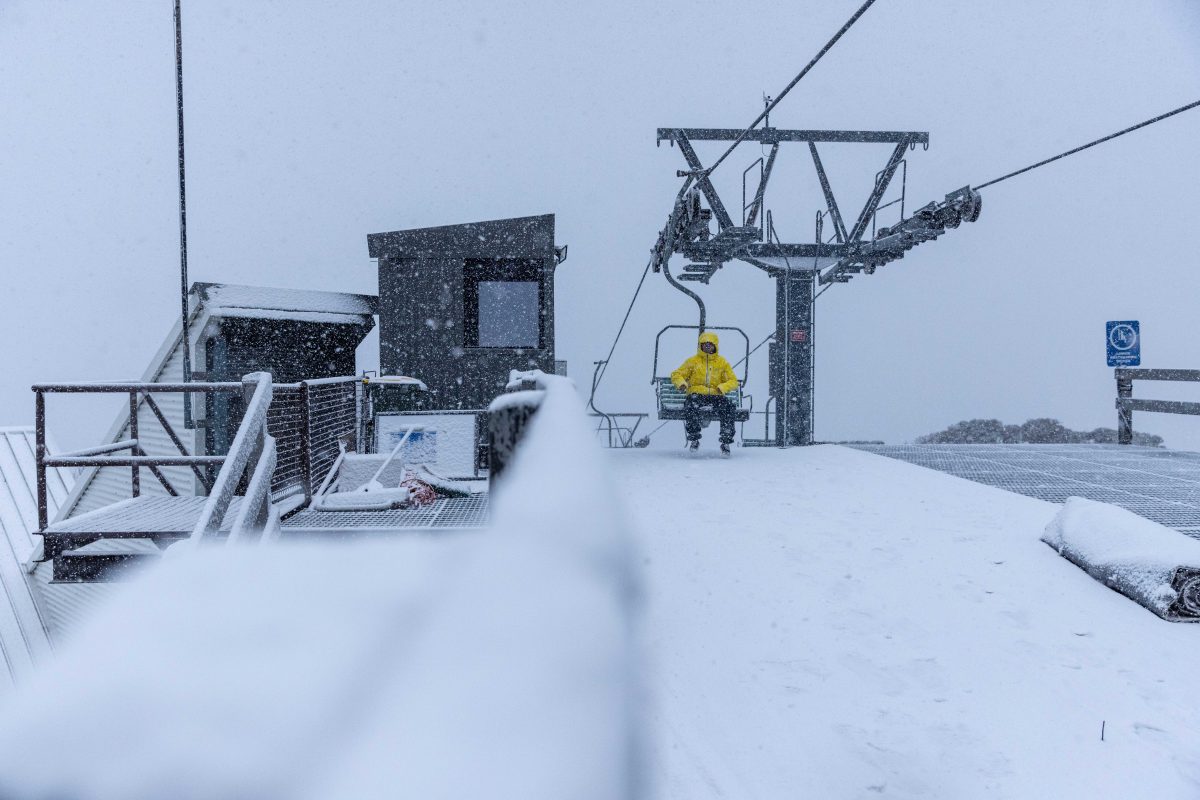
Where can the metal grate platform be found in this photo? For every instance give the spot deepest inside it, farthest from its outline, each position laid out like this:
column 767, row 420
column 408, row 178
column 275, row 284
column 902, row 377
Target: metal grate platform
column 1159, row 484
column 143, row 517
column 445, row 513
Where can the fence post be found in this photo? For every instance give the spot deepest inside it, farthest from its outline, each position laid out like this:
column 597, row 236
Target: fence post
column 133, row 434
column 40, row 420
column 508, row 416
column 305, row 443
column 1124, row 414
column 249, row 385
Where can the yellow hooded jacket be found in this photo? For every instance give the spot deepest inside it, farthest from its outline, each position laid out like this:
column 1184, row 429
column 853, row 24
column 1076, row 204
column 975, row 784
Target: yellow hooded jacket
column 704, row 373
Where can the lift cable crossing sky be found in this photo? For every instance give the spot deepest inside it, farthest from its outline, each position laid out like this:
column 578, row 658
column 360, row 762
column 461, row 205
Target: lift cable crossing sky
column 770, row 105
column 1111, row 136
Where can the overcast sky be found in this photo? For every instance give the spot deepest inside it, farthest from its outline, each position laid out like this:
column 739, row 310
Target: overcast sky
column 312, row 124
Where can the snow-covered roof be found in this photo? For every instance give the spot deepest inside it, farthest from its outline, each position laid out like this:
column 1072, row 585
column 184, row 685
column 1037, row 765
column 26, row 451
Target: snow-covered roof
column 224, row 299
column 24, row 639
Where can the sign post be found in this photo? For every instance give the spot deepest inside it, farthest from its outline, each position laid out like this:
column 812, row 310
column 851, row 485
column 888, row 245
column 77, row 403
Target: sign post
column 1123, row 340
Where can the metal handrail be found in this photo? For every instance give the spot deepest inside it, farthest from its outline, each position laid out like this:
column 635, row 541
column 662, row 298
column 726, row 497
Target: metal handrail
column 110, row 387
column 255, row 513
column 96, row 456
column 251, row 441
column 1126, row 404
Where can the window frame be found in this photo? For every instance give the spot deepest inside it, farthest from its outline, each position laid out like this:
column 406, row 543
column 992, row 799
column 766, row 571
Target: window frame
column 512, row 270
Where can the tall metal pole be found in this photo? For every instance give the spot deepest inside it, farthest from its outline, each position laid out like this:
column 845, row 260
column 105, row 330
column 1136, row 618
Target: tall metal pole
column 183, row 275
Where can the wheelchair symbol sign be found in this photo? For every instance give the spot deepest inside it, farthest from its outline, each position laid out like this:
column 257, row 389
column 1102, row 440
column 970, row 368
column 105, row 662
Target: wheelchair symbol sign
column 1124, row 343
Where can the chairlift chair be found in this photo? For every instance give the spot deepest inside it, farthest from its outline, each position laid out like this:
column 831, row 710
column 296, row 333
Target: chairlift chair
column 670, row 399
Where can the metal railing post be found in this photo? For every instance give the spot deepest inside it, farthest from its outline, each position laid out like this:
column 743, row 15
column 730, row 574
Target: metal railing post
column 133, row 434
column 40, row 423
column 1124, row 413
column 305, row 443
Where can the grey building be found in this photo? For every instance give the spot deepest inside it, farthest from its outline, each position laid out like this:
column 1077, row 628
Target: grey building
column 461, row 305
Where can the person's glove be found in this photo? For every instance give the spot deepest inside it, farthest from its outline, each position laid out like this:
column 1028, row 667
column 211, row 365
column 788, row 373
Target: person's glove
column 683, row 387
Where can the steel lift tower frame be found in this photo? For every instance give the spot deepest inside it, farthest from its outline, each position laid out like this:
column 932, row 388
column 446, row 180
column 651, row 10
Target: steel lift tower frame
column 797, row 268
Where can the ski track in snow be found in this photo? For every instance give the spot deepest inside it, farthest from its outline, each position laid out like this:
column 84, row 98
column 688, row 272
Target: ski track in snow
column 827, row 623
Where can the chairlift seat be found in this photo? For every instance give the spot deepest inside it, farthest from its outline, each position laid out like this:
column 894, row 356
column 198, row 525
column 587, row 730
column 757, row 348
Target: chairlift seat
column 671, row 400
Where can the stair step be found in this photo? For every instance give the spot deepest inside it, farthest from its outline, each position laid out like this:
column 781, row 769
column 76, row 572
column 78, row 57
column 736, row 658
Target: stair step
column 82, row 567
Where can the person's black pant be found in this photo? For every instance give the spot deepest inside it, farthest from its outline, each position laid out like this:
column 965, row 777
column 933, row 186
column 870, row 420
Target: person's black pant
column 695, row 404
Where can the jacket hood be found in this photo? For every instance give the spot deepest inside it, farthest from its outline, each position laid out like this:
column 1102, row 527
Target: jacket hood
column 708, row 336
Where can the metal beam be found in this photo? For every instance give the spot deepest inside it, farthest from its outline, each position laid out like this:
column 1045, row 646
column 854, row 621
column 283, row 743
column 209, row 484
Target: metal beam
column 1160, row 406
column 775, row 135
column 838, row 226
column 700, row 251
column 710, row 193
column 756, row 206
column 881, row 185
column 1129, row 373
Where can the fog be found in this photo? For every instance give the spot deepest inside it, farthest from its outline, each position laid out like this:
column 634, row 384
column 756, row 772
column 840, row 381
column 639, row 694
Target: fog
column 310, row 125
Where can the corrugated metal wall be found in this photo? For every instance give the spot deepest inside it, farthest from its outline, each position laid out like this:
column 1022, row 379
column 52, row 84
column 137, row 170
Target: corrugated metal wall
column 24, row 636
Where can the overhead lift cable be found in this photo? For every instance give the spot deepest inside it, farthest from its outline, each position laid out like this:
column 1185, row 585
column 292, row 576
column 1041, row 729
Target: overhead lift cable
column 1111, row 136
column 628, row 311
column 771, row 105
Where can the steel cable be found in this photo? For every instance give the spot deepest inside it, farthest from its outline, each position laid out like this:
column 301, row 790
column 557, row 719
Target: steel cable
column 1111, row 136
column 788, row 88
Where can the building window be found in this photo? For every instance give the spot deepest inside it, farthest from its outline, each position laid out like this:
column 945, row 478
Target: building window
column 503, row 304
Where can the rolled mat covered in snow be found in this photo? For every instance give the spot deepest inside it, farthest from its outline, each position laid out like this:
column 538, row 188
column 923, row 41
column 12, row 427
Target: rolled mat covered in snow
column 1147, row 562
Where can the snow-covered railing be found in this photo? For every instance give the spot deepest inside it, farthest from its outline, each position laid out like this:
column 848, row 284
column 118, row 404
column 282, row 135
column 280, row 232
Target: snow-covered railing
column 1126, row 404
column 502, row 664
column 309, row 420
column 103, row 455
column 252, row 448
column 510, row 413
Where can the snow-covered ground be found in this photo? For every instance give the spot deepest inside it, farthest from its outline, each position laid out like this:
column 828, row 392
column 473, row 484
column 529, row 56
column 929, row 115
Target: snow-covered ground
column 828, row 623
column 820, row 622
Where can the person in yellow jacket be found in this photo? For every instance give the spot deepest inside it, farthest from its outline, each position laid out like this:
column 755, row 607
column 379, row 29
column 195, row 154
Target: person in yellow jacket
column 706, row 378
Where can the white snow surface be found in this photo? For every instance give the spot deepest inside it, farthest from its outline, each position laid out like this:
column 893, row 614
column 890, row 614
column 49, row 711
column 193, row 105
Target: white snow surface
column 827, row 623
column 821, row 623
column 499, row 664
column 1134, row 555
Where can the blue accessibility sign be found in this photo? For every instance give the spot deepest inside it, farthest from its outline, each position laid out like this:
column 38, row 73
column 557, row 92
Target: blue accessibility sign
column 1124, row 341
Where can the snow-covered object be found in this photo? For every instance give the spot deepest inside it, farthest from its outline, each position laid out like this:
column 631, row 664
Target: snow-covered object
column 371, row 497
column 449, row 487
column 1147, row 562
column 420, row 493
column 396, row 380
column 499, row 665
column 524, row 398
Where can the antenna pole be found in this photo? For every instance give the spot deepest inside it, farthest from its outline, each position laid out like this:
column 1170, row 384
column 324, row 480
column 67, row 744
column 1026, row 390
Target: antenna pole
column 183, row 274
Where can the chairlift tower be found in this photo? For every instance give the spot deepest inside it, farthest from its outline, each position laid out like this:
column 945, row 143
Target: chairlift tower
column 798, row 268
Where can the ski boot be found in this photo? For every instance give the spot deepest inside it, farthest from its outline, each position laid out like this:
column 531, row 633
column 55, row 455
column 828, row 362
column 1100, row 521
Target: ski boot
column 724, row 450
